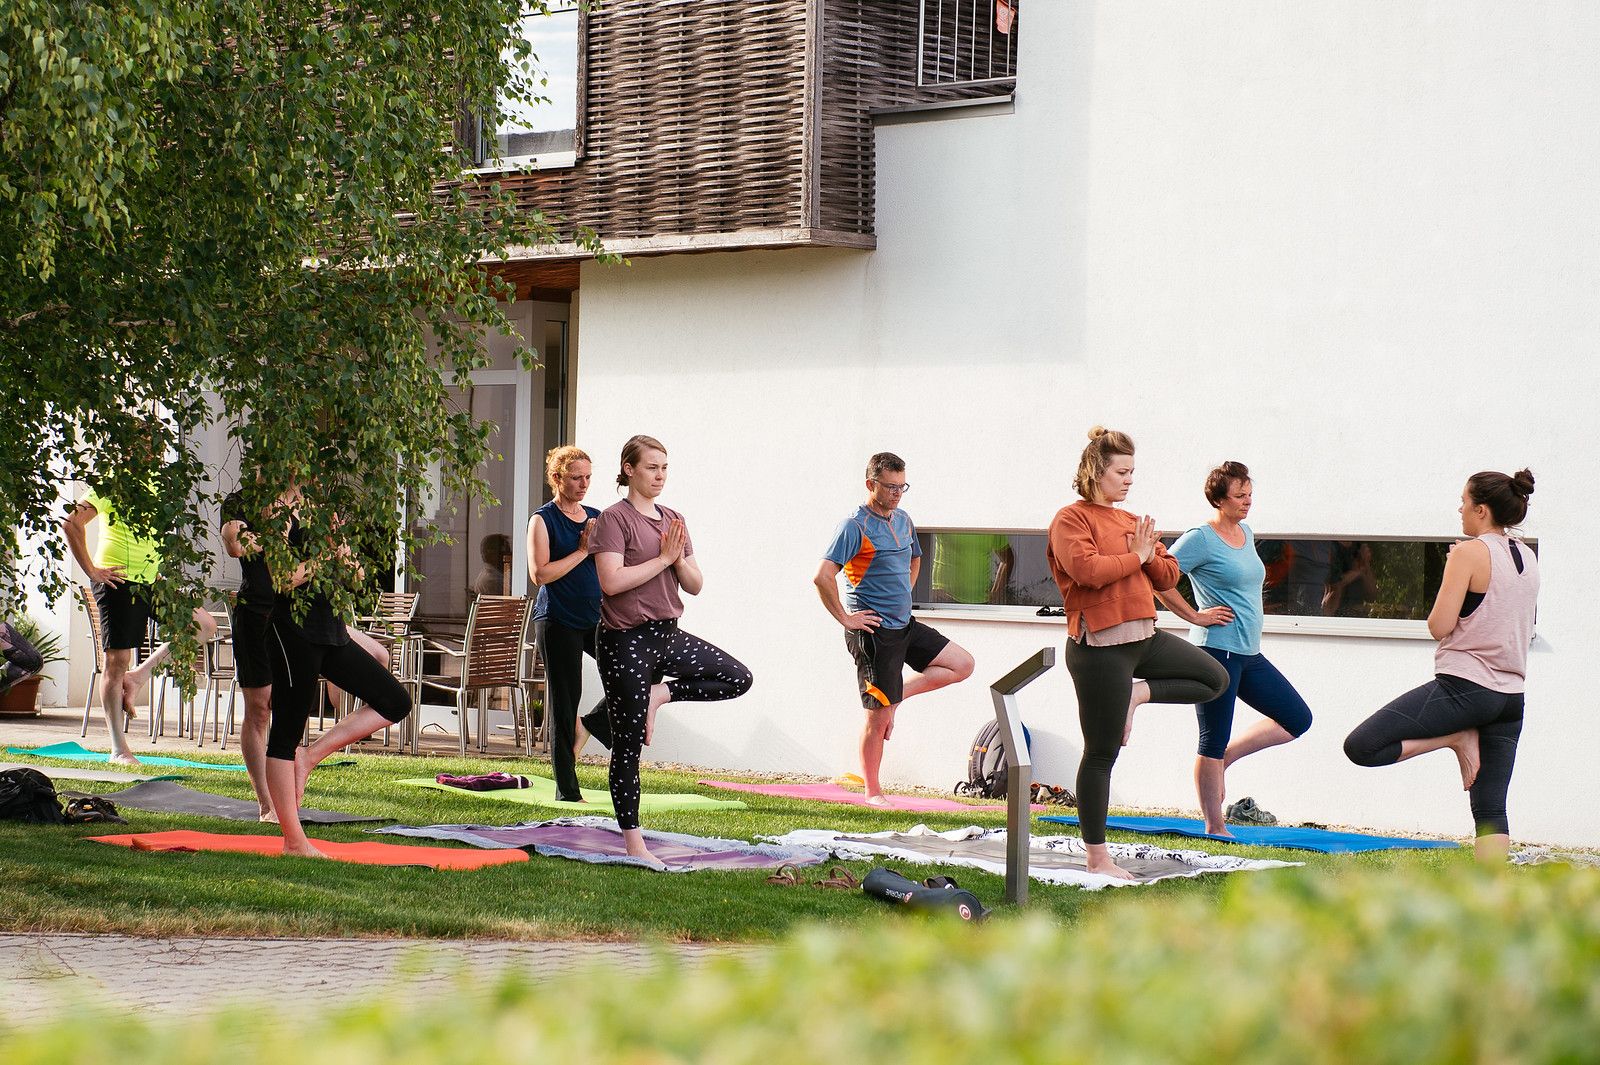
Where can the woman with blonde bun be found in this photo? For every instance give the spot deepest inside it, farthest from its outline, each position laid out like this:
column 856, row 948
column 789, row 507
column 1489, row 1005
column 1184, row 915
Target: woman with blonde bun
column 1109, row 565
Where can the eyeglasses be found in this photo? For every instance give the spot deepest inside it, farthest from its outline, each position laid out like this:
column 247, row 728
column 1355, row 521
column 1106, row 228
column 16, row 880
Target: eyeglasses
column 897, row 489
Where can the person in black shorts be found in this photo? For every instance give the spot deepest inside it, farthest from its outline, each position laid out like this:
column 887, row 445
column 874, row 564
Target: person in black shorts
column 306, row 643
column 252, row 628
column 877, row 551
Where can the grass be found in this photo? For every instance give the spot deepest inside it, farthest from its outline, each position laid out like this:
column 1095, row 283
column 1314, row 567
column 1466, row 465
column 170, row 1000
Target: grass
column 54, row 881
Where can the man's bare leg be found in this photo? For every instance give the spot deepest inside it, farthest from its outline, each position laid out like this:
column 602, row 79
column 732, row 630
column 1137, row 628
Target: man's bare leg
column 112, row 692
column 137, row 679
column 951, row 666
column 253, row 745
column 281, row 787
column 876, row 732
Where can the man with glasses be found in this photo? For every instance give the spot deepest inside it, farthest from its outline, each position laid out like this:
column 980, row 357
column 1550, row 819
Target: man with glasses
column 877, row 551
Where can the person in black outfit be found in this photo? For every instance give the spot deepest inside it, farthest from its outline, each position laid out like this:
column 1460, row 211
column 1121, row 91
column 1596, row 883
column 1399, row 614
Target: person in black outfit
column 303, row 651
column 567, row 611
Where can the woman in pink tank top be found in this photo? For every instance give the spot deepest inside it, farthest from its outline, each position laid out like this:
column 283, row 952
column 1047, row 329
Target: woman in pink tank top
column 1483, row 620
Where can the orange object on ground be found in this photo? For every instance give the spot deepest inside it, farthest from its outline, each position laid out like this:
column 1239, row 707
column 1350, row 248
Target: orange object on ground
column 361, row 853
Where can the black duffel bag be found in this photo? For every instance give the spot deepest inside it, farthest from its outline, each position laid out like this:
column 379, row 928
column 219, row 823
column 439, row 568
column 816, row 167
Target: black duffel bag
column 28, row 796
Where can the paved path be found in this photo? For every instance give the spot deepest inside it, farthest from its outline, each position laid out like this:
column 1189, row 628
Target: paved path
column 44, row 976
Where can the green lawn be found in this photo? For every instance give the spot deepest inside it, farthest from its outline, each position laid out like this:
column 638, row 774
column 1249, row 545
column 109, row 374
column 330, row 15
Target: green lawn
column 56, row 882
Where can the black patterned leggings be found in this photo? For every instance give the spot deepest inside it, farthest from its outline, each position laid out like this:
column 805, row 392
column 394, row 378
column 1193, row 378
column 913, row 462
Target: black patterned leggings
column 631, row 660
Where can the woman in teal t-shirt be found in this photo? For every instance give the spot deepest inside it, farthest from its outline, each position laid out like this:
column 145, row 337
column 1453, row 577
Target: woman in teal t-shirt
column 1226, row 574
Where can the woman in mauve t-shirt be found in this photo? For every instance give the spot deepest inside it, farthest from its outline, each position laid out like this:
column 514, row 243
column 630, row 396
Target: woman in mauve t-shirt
column 644, row 557
column 1483, row 620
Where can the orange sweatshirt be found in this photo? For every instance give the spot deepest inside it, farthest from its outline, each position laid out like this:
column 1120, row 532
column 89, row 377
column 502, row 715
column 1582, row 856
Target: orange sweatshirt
column 1102, row 581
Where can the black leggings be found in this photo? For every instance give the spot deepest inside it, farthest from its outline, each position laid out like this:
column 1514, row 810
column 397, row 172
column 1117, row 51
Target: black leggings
column 631, row 660
column 1177, row 672
column 562, row 649
column 1444, row 705
column 297, row 664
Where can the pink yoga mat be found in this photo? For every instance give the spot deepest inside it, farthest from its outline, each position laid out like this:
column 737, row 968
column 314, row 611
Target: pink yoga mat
column 834, row 793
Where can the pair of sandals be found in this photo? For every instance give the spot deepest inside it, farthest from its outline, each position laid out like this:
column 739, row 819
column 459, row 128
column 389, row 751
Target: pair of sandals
column 788, row 875
column 81, row 809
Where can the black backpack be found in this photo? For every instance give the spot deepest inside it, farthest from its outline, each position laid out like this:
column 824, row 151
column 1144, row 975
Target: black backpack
column 987, row 771
column 28, row 796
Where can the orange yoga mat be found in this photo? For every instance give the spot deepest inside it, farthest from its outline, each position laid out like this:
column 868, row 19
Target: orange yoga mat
column 362, row 853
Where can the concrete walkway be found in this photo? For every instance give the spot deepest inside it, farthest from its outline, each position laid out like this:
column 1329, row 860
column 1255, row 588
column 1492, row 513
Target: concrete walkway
column 43, row 976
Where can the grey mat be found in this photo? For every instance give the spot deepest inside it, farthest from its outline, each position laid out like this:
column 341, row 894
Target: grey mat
column 67, row 772
column 165, row 797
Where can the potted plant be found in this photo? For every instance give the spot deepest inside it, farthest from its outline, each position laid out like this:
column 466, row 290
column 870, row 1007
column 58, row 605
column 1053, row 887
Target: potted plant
column 23, row 697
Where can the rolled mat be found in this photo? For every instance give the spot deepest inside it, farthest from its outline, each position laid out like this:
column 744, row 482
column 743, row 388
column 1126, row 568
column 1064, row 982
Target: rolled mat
column 541, row 791
column 1306, row 839
column 831, row 792
column 72, row 772
column 165, row 797
column 77, row 752
column 359, row 853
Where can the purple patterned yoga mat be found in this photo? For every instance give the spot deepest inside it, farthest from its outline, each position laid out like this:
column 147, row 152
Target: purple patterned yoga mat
column 598, row 840
column 921, row 804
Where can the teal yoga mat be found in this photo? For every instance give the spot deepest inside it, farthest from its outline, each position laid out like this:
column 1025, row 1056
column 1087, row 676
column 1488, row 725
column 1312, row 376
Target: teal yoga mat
column 1306, row 839
column 542, row 792
column 76, row 752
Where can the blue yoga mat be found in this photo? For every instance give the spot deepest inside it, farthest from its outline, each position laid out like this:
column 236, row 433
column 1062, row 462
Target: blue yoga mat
column 1305, row 839
column 77, row 753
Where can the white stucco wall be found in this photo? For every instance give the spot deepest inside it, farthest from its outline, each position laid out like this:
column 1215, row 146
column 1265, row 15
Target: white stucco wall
column 1351, row 244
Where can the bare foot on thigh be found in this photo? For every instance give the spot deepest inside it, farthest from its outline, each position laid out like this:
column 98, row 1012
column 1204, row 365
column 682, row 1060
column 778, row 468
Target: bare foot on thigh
column 1141, row 695
column 660, row 695
column 1466, row 749
column 268, row 817
column 130, row 691
column 302, row 772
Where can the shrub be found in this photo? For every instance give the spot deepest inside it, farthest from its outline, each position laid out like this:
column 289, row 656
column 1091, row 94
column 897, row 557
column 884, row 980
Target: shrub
column 1377, row 966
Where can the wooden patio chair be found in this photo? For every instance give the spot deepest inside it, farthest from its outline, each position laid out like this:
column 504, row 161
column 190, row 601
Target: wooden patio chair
column 489, row 657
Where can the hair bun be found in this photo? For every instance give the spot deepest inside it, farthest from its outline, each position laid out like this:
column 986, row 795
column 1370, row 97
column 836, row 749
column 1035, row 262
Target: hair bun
column 1522, row 483
column 1097, row 432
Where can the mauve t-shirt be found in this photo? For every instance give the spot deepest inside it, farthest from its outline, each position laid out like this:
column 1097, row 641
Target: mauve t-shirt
column 624, row 531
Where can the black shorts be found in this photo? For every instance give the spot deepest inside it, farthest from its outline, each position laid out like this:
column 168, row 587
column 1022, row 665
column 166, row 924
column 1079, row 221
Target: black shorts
column 881, row 654
column 124, row 614
column 252, row 663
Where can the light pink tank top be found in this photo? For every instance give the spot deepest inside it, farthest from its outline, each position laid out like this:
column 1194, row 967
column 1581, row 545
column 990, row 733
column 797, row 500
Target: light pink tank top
column 1490, row 645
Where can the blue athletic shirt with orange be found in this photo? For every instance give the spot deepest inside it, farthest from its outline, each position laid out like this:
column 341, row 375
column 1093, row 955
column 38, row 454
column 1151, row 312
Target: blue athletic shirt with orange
column 875, row 554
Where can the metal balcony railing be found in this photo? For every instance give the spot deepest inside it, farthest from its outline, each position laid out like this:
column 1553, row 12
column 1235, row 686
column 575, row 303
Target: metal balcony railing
column 966, row 42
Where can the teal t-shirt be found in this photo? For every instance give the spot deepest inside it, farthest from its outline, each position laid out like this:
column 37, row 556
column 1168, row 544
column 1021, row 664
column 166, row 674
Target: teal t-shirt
column 1224, row 575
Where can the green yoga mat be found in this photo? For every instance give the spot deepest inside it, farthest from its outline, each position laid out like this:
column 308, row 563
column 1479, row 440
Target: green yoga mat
column 542, row 792
column 76, row 752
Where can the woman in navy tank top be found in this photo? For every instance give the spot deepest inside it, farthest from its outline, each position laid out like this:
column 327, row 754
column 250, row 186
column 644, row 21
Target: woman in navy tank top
column 567, row 611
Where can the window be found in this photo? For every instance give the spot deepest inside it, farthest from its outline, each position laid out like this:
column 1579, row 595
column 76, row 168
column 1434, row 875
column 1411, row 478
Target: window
column 541, row 133
column 1383, row 579
column 961, row 42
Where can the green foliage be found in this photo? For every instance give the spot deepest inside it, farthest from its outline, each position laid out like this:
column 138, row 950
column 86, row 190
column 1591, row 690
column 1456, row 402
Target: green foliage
column 1377, row 967
column 247, row 213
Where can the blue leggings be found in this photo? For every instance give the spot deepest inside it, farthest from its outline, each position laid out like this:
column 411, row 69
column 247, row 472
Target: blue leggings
column 1258, row 682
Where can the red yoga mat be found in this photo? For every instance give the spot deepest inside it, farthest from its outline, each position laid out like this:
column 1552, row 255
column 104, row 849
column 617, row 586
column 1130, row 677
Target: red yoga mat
column 834, row 793
column 361, row 853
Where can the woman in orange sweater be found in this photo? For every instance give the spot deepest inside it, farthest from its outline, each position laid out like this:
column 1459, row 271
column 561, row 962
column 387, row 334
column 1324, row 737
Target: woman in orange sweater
column 1109, row 565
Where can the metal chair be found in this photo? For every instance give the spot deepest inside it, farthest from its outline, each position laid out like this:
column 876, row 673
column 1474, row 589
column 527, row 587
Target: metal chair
column 489, row 658
column 531, row 679
column 219, row 666
column 390, row 624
